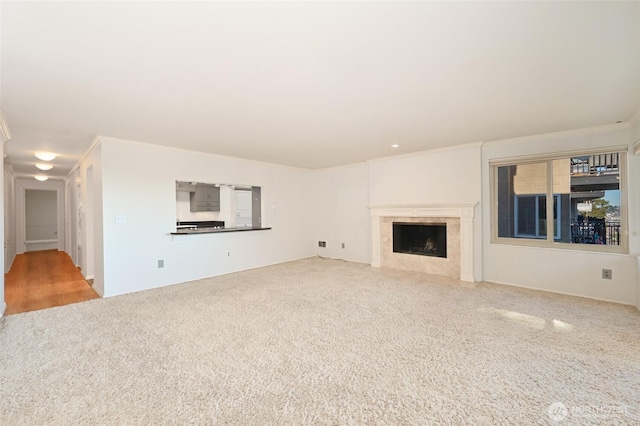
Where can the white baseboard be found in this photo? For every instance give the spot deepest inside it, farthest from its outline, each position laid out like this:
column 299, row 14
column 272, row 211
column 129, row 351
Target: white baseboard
column 564, row 293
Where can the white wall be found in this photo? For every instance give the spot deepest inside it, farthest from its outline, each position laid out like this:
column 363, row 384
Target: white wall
column 9, row 218
column 73, row 186
column 340, row 214
column 563, row 271
column 86, row 206
column 2, row 188
column 634, row 176
column 445, row 176
column 3, row 305
column 21, row 185
column 138, row 182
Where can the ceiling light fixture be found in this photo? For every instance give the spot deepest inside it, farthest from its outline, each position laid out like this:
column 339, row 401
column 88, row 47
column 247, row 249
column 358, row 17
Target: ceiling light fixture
column 41, row 178
column 395, row 145
column 44, row 166
column 45, row 156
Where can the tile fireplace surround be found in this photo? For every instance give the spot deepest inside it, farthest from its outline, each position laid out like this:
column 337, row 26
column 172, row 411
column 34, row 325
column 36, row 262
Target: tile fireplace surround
column 459, row 220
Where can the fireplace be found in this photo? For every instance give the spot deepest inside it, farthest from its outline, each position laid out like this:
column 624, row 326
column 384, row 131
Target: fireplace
column 421, row 239
column 451, row 257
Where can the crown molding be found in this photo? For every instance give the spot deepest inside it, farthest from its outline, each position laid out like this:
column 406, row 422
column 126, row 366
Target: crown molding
column 431, row 151
column 4, row 128
column 635, row 118
column 94, row 144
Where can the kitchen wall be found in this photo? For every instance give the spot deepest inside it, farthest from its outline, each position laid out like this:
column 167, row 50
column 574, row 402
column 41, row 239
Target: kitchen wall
column 562, row 270
column 340, row 197
column 138, row 182
column 443, row 176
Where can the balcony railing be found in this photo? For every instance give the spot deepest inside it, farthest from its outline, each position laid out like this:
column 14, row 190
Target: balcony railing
column 595, row 231
column 594, row 165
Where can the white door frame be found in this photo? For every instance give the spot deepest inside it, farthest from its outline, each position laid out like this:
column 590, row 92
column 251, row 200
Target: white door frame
column 22, row 184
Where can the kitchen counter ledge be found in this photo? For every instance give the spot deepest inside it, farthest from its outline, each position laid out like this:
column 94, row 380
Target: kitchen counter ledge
column 214, row 230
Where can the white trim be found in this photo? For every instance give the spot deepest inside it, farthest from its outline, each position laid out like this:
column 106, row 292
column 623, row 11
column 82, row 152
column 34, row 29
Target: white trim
column 21, row 185
column 4, row 128
column 636, row 147
column 4, row 309
column 567, row 133
column 635, row 118
column 463, row 211
column 94, row 144
column 537, row 158
column 105, row 139
column 546, row 290
column 40, row 241
column 426, row 152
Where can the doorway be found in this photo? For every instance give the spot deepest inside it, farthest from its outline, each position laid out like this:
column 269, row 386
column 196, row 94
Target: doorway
column 44, row 217
column 41, row 219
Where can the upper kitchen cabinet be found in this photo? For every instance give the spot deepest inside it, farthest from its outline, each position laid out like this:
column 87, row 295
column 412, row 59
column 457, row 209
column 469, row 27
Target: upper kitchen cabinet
column 185, row 186
column 205, row 198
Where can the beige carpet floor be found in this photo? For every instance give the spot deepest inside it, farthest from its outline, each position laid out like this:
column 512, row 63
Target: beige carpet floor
column 321, row 341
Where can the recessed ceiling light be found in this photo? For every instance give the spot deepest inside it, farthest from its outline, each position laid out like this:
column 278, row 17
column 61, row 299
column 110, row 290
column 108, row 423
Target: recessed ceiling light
column 44, row 166
column 41, row 178
column 45, row 156
column 395, row 145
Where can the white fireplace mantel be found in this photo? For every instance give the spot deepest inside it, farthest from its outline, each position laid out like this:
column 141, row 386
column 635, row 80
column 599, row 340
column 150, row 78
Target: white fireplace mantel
column 463, row 211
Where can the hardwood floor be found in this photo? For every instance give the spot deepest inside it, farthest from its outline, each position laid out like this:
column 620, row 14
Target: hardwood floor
column 43, row 279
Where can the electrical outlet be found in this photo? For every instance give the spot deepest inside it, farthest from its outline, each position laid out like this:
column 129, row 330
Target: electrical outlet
column 121, row 218
column 342, row 245
column 606, row 274
column 228, row 254
column 161, row 263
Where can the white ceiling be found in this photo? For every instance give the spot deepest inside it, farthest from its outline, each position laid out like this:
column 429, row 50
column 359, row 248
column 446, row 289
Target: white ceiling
column 311, row 84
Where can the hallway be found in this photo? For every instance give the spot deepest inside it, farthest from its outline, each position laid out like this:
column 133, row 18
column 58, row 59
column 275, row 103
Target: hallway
column 44, row 279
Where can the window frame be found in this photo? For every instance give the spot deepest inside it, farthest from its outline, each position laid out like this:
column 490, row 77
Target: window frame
column 548, row 241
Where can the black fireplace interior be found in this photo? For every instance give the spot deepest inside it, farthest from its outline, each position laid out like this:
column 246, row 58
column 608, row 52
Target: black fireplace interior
column 420, row 238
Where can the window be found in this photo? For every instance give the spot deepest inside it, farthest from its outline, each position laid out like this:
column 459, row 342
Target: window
column 584, row 193
column 530, row 216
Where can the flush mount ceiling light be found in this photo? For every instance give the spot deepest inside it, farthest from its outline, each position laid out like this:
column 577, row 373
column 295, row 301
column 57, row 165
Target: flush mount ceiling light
column 45, row 156
column 395, row 145
column 41, row 178
column 44, row 166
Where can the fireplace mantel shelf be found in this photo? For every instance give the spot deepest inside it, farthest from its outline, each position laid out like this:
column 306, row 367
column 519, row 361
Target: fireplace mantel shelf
column 463, row 211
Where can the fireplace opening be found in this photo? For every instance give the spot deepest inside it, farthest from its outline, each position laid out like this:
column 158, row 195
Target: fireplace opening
column 423, row 239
